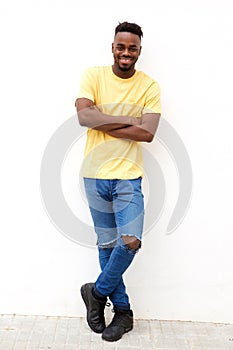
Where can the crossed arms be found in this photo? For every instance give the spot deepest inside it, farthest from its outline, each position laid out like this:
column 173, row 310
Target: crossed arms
column 125, row 127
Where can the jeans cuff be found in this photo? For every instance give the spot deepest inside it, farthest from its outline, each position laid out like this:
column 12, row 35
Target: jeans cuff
column 125, row 309
column 98, row 296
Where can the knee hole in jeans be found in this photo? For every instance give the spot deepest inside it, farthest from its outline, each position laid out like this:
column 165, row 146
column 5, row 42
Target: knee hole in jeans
column 131, row 242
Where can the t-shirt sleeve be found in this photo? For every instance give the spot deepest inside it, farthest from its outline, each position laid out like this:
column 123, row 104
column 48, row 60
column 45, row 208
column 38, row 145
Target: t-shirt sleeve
column 88, row 85
column 153, row 100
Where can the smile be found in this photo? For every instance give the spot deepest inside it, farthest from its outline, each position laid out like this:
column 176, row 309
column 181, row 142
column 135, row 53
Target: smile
column 125, row 60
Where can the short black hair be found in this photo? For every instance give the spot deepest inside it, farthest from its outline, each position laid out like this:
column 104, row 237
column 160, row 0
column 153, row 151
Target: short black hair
column 129, row 27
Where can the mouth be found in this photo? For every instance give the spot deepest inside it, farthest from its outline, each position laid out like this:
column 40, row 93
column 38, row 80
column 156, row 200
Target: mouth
column 125, row 60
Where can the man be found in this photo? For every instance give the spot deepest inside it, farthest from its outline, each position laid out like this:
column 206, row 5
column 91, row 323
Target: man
column 121, row 108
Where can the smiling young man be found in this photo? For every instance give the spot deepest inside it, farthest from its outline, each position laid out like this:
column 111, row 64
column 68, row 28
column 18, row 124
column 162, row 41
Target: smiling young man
column 121, row 108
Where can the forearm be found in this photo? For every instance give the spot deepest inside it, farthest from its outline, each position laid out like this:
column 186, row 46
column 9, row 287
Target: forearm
column 133, row 133
column 91, row 117
column 141, row 133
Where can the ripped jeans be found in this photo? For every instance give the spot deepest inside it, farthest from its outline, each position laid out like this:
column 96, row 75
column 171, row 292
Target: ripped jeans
column 117, row 209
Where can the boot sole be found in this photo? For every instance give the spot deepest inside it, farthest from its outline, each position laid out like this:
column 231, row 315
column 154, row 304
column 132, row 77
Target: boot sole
column 117, row 338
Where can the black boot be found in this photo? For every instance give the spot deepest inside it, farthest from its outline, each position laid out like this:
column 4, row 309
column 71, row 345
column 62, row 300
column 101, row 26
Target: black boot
column 95, row 308
column 122, row 323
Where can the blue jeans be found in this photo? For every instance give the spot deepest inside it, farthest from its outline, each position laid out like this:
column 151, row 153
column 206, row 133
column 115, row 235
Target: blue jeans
column 118, row 297
column 117, row 209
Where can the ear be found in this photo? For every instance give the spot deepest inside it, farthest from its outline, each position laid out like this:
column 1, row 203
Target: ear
column 140, row 51
column 112, row 47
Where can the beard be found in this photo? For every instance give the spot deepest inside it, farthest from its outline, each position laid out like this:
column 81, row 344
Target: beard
column 124, row 68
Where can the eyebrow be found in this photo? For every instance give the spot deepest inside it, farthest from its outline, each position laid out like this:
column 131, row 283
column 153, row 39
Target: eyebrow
column 120, row 44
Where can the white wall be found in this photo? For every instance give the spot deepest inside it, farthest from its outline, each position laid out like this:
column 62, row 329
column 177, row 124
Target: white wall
column 187, row 47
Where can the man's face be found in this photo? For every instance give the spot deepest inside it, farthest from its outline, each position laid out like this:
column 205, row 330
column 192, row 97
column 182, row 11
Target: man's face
column 126, row 49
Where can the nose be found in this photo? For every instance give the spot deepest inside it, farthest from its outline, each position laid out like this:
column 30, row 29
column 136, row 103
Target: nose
column 125, row 52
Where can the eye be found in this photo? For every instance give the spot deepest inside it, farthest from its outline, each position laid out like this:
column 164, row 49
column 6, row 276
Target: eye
column 133, row 49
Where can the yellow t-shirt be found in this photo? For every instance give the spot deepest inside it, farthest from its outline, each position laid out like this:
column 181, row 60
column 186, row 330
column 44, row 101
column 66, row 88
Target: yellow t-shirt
column 107, row 157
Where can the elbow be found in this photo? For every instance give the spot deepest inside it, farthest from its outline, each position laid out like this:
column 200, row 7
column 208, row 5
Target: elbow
column 81, row 119
column 81, row 122
column 149, row 137
column 144, row 136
